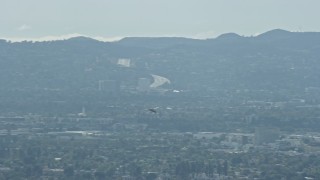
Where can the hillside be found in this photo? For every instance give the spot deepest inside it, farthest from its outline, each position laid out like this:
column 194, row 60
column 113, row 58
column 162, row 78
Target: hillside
column 277, row 61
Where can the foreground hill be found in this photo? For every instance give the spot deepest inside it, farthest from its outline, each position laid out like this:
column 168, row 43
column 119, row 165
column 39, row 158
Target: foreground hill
column 278, row 62
column 275, row 59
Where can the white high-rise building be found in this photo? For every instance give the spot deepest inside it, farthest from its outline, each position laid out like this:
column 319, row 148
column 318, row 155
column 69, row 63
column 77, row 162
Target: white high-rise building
column 124, row 62
column 83, row 112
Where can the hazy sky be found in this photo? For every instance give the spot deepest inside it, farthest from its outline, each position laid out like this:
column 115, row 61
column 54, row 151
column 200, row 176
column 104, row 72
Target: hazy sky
column 189, row 18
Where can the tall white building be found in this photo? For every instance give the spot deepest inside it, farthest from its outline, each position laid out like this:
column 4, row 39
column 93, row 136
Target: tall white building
column 124, row 62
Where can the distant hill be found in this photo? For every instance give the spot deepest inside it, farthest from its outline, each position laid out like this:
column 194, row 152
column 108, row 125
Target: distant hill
column 276, row 60
column 277, row 34
column 229, row 36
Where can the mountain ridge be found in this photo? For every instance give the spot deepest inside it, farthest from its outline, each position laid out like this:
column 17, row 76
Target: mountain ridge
column 229, row 61
column 270, row 33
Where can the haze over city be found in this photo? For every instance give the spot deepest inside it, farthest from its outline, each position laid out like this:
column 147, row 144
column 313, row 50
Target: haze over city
column 160, row 89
